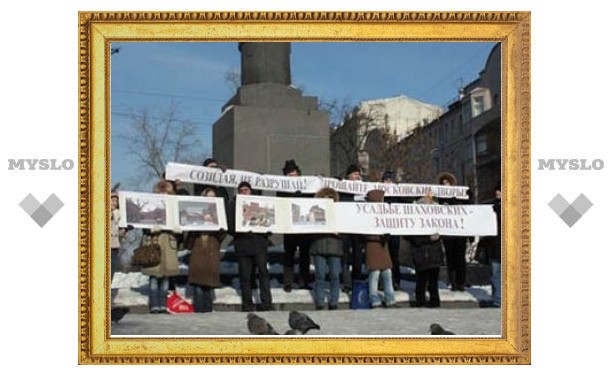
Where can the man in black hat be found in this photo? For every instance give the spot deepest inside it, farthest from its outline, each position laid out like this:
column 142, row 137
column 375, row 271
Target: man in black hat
column 295, row 242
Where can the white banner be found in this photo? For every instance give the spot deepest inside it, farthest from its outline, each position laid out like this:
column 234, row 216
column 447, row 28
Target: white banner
column 298, row 215
column 415, row 219
column 305, row 184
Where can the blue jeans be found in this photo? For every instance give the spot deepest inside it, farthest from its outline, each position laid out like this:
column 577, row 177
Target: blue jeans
column 375, row 298
column 158, row 291
column 322, row 264
column 496, row 287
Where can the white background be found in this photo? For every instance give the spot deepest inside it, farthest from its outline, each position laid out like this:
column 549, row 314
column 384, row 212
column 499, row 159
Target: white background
column 570, row 102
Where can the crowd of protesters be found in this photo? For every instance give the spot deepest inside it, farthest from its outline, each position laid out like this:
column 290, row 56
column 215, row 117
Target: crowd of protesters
column 340, row 260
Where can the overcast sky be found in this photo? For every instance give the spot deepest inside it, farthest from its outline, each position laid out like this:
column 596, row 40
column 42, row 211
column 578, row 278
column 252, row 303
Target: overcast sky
column 149, row 75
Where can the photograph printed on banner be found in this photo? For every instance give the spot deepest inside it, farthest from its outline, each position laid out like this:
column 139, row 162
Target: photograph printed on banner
column 201, row 213
column 144, row 210
column 256, row 214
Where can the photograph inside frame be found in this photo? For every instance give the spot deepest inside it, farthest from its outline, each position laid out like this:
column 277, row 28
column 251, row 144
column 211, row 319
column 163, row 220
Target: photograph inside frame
column 406, row 114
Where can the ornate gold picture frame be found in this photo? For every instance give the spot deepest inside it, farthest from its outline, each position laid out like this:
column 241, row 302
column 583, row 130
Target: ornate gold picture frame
column 96, row 32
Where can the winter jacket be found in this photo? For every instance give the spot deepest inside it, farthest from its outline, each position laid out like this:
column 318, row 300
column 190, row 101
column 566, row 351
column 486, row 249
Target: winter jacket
column 326, row 245
column 205, row 259
column 426, row 253
column 114, row 229
column 169, row 265
column 377, row 253
column 493, row 244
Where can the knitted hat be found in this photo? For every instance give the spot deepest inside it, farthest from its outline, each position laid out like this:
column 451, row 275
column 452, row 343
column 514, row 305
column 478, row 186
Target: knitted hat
column 388, row 175
column 352, row 169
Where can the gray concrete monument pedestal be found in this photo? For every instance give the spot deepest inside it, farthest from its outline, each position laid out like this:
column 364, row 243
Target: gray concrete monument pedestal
column 268, row 121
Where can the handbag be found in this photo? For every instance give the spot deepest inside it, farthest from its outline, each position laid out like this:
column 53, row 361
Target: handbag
column 147, row 256
column 481, row 255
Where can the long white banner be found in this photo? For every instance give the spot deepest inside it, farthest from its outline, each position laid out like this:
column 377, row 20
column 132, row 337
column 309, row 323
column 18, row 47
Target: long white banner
column 415, row 219
column 304, row 215
column 314, row 215
column 305, row 184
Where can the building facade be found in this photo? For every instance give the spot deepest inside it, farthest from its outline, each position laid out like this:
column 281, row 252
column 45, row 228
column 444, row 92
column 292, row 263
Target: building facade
column 465, row 140
column 368, row 134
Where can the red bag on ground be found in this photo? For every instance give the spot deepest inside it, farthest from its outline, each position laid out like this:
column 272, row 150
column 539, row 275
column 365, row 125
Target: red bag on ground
column 177, row 304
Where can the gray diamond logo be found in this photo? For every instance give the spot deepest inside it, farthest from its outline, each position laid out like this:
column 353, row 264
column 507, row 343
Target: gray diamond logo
column 41, row 213
column 570, row 213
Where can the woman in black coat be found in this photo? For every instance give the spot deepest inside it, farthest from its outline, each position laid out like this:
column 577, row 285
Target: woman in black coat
column 428, row 257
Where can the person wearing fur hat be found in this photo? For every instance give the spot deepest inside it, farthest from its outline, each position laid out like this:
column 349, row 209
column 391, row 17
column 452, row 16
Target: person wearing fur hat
column 326, row 250
column 293, row 243
column 252, row 252
column 378, row 262
column 427, row 256
column 353, row 244
column 454, row 246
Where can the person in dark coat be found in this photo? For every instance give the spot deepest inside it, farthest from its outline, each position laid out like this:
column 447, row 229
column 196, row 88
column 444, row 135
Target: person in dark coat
column 493, row 251
column 454, row 246
column 326, row 251
column 353, row 244
column 204, row 263
column 427, row 257
column 378, row 262
column 293, row 243
column 252, row 251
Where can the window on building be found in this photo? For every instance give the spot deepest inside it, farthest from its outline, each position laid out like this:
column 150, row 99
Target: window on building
column 481, row 145
column 477, row 105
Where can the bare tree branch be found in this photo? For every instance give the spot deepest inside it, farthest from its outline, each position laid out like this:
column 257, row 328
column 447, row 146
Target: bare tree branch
column 155, row 140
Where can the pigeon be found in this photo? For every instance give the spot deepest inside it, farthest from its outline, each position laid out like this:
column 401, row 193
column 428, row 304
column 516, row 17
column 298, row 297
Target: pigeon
column 301, row 322
column 437, row 329
column 259, row 326
column 118, row 312
column 293, row 332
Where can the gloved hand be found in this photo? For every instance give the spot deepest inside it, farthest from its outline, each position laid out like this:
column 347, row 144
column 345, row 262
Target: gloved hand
column 435, row 237
column 156, row 230
column 177, row 230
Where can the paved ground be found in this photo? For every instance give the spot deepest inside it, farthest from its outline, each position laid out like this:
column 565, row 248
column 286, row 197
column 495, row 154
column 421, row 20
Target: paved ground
column 481, row 322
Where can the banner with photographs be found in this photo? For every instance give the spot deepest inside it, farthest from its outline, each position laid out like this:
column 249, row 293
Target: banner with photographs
column 313, row 215
column 187, row 213
column 284, row 215
column 305, row 184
